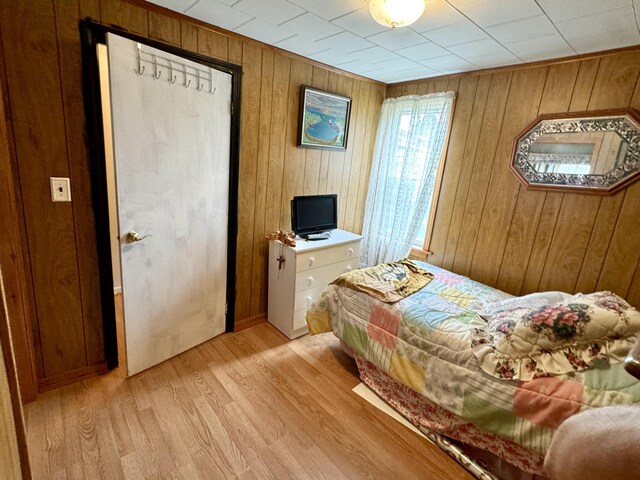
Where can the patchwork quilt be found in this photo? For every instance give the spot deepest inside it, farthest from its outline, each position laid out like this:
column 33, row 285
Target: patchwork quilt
column 424, row 342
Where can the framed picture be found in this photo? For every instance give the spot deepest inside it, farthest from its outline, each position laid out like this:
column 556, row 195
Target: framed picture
column 324, row 119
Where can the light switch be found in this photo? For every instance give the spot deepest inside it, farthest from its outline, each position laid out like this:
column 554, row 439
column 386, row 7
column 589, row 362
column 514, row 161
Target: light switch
column 60, row 189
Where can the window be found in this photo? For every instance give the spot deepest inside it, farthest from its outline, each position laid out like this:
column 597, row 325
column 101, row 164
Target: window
column 406, row 167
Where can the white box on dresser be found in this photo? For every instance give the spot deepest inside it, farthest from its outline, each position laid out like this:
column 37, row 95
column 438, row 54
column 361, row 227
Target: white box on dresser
column 307, row 268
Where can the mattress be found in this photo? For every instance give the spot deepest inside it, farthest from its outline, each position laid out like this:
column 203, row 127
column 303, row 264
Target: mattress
column 424, row 343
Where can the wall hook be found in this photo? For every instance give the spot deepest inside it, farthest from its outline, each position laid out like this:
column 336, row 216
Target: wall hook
column 201, row 87
column 213, row 91
column 140, row 70
column 173, row 79
column 186, row 85
column 157, row 75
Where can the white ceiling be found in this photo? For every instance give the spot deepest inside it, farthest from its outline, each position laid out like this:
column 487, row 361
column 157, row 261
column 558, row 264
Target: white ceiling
column 452, row 36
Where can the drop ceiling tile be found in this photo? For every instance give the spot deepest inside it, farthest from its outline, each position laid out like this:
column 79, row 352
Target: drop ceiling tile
column 461, row 32
column 374, row 54
column 274, row 12
column 263, row 31
column 447, row 62
column 622, row 19
column 175, row 5
column 603, row 41
column 329, row 9
column 360, row 22
column 411, row 74
column 300, row 45
column 398, row 64
column 311, row 26
column 527, row 28
column 346, row 42
column 397, row 39
column 362, row 66
column 493, row 12
column 494, row 60
column 550, row 46
column 331, row 57
column 486, row 46
column 423, row 51
column 437, row 14
column 560, row 10
column 218, row 14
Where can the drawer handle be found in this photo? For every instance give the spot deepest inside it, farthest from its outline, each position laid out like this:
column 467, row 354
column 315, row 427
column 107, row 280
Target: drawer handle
column 348, row 269
column 311, row 261
column 350, row 251
column 310, row 281
column 309, row 300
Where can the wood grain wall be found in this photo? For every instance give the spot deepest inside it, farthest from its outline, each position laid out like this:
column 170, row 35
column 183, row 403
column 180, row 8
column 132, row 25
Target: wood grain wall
column 42, row 77
column 490, row 227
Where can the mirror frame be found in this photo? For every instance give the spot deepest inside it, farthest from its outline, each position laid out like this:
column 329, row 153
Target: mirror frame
column 576, row 182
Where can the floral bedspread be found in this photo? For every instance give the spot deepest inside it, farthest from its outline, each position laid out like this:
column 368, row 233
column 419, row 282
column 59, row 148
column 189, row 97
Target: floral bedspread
column 424, row 342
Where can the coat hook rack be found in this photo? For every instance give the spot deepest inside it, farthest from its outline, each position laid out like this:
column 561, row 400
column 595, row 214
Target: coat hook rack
column 175, row 68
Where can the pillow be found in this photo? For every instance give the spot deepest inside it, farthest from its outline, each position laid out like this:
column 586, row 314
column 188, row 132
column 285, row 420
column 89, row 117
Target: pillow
column 554, row 339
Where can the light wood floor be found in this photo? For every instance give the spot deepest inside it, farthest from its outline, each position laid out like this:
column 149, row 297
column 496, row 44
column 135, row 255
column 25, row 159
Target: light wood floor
column 250, row 405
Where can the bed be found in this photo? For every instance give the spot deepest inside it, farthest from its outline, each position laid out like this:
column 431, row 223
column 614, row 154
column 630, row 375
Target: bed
column 420, row 354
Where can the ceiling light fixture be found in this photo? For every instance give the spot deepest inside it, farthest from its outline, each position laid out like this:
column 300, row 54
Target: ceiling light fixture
column 396, row 13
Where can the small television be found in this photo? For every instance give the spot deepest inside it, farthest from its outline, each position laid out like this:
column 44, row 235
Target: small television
column 314, row 214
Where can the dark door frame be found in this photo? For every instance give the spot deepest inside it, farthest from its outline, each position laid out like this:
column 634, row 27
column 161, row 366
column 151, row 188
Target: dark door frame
column 92, row 34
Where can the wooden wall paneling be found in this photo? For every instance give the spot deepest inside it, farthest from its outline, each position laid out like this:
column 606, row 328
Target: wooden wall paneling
column 605, row 242
column 556, row 98
column 293, row 178
column 125, row 15
column 343, row 201
column 491, row 124
column 633, row 296
column 497, row 214
column 250, row 135
column 260, row 246
column 542, row 242
column 313, row 156
column 584, row 85
column 410, row 89
column 280, row 127
column 213, row 44
column 323, row 175
column 615, row 81
column 40, row 145
column 338, row 159
column 361, row 100
column 164, row 28
column 393, row 91
column 188, row 36
column 457, row 159
column 12, row 264
column 451, row 234
column 277, row 137
column 373, row 119
column 90, row 9
column 605, row 223
column 70, row 58
column 621, row 261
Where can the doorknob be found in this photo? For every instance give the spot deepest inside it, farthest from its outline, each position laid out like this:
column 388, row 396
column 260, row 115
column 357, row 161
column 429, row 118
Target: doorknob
column 133, row 237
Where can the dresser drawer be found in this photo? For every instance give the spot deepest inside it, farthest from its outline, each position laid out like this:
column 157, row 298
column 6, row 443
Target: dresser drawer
column 326, row 256
column 304, row 298
column 320, row 277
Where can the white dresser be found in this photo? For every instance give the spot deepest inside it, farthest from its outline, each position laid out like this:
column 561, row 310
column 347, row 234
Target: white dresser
column 306, row 270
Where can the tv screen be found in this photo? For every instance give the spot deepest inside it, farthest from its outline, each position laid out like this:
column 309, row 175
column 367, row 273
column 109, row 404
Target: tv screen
column 314, row 214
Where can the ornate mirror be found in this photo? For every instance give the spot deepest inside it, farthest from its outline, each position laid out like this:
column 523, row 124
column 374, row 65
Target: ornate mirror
column 596, row 152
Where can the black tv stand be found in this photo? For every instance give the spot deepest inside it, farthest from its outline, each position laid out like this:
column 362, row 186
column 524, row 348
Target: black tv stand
column 312, row 237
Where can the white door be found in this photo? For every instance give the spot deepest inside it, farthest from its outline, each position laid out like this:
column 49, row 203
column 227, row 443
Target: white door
column 171, row 144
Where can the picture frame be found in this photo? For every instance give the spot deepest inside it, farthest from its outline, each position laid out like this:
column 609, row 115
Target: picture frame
column 324, row 119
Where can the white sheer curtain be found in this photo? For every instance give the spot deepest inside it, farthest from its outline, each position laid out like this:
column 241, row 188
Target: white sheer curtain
column 408, row 148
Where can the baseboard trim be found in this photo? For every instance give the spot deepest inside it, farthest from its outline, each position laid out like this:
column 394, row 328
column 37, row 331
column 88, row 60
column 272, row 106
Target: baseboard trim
column 249, row 322
column 73, row 376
